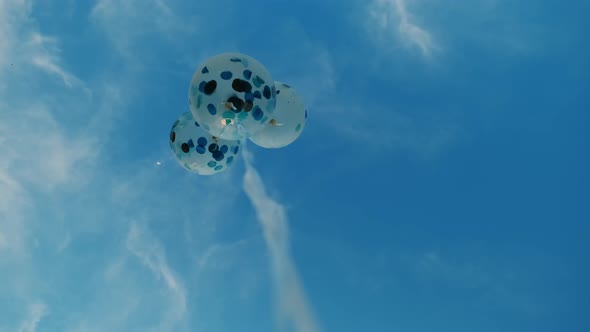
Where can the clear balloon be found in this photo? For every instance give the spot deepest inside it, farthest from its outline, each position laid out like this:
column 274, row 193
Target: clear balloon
column 198, row 151
column 286, row 123
column 232, row 95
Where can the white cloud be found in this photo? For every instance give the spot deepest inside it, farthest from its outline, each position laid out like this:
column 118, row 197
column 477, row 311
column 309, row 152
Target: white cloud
column 48, row 146
column 47, row 63
column 126, row 29
column 13, row 204
column 63, row 245
column 23, row 44
column 293, row 304
column 218, row 255
column 13, row 14
column 150, row 252
column 392, row 128
column 39, row 155
column 391, row 18
column 36, row 312
column 50, row 136
column 38, row 150
column 311, row 65
column 3, row 242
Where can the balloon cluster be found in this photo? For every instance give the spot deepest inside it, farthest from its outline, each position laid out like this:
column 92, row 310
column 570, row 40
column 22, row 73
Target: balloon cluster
column 232, row 96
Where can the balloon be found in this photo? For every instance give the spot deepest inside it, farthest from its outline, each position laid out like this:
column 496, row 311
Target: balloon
column 286, row 123
column 232, row 95
column 198, row 151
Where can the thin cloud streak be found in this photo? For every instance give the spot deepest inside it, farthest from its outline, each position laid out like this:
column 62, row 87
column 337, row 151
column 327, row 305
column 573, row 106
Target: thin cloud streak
column 411, row 31
column 272, row 217
column 393, row 14
column 36, row 313
column 126, row 30
column 151, row 254
column 47, row 64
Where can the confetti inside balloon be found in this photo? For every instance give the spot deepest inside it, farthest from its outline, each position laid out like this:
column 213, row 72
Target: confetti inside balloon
column 198, row 151
column 286, row 123
column 232, row 95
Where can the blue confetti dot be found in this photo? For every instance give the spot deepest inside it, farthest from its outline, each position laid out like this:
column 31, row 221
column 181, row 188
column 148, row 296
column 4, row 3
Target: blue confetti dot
column 211, row 108
column 247, row 74
column 223, row 149
column 257, row 113
column 185, row 148
column 230, row 160
column 236, row 149
column 190, row 143
column 257, row 94
column 257, row 81
column 202, row 86
column 200, row 149
column 249, row 96
column 217, row 155
column 229, row 114
column 218, row 167
column 266, row 92
column 197, row 124
column 211, row 163
column 202, row 141
column 205, row 70
column 213, row 147
column 243, row 116
column 226, row 75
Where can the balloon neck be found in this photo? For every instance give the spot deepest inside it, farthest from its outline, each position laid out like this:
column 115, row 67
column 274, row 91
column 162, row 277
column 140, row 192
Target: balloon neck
column 241, row 131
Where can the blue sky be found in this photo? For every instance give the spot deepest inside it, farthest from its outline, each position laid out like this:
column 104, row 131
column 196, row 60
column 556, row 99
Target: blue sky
column 440, row 183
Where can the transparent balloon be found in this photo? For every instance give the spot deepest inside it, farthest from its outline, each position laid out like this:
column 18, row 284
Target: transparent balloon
column 286, row 123
column 198, row 151
column 232, row 95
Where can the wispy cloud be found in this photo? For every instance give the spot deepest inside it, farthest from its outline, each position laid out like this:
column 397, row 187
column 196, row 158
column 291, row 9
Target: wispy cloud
column 129, row 32
column 211, row 256
column 311, row 64
column 391, row 18
column 13, row 14
column 49, row 142
column 496, row 279
column 150, row 252
column 44, row 53
column 36, row 312
column 13, row 204
column 2, row 240
column 46, row 140
column 23, row 44
column 424, row 134
column 293, row 304
column 46, row 63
